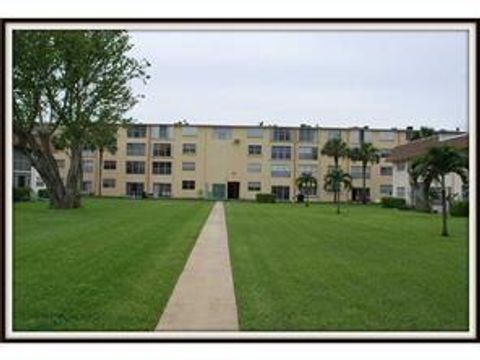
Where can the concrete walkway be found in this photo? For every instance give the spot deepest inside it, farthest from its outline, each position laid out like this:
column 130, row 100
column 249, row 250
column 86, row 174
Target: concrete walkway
column 204, row 298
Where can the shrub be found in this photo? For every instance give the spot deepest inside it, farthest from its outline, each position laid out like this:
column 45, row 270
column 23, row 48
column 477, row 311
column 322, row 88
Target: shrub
column 459, row 208
column 265, row 198
column 21, row 194
column 393, row 202
column 300, row 198
column 42, row 194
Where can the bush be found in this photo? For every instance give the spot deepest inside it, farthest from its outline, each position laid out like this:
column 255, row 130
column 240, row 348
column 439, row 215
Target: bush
column 300, row 198
column 42, row 194
column 21, row 194
column 393, row 202
column 265, row 198
column 459, row 208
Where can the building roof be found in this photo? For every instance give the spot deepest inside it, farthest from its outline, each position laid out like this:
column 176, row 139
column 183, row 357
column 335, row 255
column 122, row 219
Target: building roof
column 421, row 146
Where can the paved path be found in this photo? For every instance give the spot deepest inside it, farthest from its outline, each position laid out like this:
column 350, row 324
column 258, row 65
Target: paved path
column 204, row 298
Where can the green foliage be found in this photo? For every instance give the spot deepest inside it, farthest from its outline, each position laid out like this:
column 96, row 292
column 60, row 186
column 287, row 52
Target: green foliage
column 423, row 132
column 21, row 194
column 459, row 208
column 42, row 194
column 336, row 179
column 393, row 202
column 335, row 148
column 265, row 198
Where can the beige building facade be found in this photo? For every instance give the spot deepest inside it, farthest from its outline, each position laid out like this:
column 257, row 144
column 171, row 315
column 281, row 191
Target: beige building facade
column 231, row 162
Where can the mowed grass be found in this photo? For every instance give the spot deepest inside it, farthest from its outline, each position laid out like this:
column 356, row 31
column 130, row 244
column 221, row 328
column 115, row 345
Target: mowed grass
column 111, row 265
column 298, row 268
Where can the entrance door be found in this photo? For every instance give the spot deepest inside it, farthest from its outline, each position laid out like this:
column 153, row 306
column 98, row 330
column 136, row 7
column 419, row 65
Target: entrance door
column 134, row 189
column 282, row 193
column 218, row 191
column 357, row 194
column 233, row 190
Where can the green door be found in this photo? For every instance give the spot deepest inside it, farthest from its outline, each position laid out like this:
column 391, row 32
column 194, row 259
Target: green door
column 218, row 191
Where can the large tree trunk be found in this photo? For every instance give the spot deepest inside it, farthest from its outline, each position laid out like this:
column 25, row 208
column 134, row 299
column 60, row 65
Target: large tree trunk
column 444, row 209
column 364, row 184
column 39, row 150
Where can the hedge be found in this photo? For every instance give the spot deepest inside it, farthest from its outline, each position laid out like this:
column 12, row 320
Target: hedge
column 265, row 198
column 393, row 202
column 21, row 194
column 459, row 208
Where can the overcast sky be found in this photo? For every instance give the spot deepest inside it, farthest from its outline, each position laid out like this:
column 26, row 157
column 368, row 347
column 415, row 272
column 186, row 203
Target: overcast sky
column 329, row 78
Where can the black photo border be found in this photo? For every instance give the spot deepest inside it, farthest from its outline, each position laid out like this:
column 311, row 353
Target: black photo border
column 217, row 21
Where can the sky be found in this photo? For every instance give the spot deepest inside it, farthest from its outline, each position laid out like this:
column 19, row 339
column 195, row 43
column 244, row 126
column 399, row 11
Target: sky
column 328, row 78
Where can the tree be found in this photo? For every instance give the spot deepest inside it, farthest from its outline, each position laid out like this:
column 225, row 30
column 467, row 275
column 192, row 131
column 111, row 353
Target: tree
column 366, row 154
column 64, row 84
column 306, row 184
column 337, row 149
column 436, row 164
column 102, row 138
column 335, row 180
column 416, row 173
column 423, row 132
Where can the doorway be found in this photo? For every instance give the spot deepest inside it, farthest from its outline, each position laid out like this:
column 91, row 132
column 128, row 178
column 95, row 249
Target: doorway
column 218, row 191
column 233, row 190
column 357, row 194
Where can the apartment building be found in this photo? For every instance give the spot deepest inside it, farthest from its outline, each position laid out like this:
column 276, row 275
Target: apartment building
column 231, row 162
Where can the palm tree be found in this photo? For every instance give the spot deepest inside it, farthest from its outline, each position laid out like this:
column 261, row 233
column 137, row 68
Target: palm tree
column 334, row 180
column 416, row 172
column 103, row 138
column 436, row 164
column 366, row 153
column 337, row 149
column 306, row 184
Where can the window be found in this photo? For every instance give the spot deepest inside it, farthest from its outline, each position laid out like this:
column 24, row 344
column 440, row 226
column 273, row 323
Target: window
column 189, row 149
column 87, row 187
column 367, row 136
column 20, row 161
column 281, row 134
column 254, row 149
column 109, row 165
column 188, row 166
column 400, row 191
column 356, row 172
column 108, row 183
column 137, row 131
column 280, row 170
column 189, row 131
column 162, row 168
column 39, row 182
column 87, row 153
column 387, row 136
column 87, row 166
column 161, row 132
column 385, row 152
column 334, row 134
column 465, row 191
column 162, row 150
column 255, row 133
column 282, row 193
column 401, row 166
column 281, row 152
column 134, row 189
column 307, row 169
column 386, row 171
column 135, row 167
column 135, row 149
column 355, row 137
column 307, row 135
column 60, row 163
column 188, row 185
column 254, row 186
column 254, row 168
column 222, row 133
column 162, row 190
column 308, row 153
column 386, row 190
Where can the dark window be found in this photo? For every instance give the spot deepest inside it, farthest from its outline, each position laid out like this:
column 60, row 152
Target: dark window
column 385, row 152
column 137, row 131
column 189, row 149
column 134, row 149
column 162, row 190
column 161, row 132
column 109, row 165
column 280, row 170
column 281, row 152
column 254, row 149
column 87, row 166
column 108, row 183
column 281, row 134
column 308, row 153
column 254, row 186
column 188, row 166
column 386, row 190
column 87, row 186
column 307, row 135
column 386, row 171
column 188, row 185
column 162, row 168
column 282, row 193
column 163, row 150
column 135, row 167
column 134, row 189
column 356, row 172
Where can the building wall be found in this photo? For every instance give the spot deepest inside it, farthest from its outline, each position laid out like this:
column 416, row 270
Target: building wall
column 219, row 161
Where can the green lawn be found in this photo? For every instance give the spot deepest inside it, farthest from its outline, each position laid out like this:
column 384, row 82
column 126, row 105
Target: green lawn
column 298, row 268
column 111, row 265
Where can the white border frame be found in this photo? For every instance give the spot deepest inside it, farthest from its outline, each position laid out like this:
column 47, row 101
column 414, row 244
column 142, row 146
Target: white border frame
column 245, row 26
